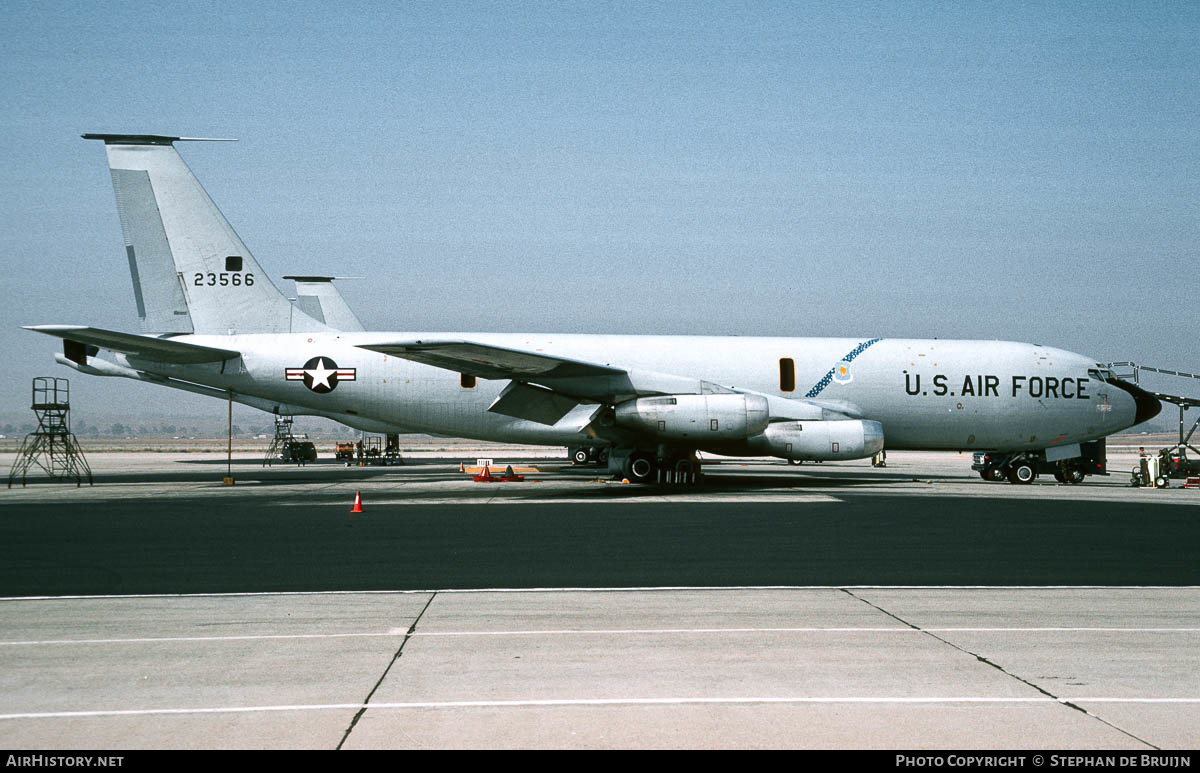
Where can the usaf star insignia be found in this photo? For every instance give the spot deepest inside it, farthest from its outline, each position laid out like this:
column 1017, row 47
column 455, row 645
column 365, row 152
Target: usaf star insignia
column 320, row 374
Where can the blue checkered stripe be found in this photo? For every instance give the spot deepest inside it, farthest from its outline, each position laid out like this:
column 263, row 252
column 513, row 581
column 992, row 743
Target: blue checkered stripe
column 824, row 382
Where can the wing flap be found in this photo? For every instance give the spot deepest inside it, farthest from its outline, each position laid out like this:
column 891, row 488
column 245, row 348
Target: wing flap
column 533, row 403
column 146, row 347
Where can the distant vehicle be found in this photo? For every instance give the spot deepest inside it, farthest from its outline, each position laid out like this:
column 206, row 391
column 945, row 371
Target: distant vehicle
column 1177, row 464
column 344, row 450
column 299, row 451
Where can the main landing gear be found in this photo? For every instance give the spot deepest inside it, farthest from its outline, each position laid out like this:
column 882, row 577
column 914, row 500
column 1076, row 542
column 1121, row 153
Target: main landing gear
column 669, row 467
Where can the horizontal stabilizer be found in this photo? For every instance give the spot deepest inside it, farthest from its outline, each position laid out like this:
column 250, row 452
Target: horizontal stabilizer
column 318, row 298
column 146, row 347
column 496, row 362
column 149, row 139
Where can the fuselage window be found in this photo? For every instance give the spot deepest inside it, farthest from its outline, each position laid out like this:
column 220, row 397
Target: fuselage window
column 467, row 382
column 787, row 375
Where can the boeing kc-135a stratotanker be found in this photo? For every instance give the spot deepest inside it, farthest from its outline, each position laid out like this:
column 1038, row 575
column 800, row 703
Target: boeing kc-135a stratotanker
column 213, row 323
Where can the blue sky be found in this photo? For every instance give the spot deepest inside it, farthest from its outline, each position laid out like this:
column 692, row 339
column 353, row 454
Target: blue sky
column 1022, row 171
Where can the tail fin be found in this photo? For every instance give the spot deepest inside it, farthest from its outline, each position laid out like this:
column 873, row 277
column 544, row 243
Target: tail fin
column 318, row 298
column 191, row 272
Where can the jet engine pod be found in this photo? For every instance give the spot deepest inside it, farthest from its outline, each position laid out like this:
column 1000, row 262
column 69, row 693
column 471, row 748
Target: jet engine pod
column 696, row 418
column 820, row 440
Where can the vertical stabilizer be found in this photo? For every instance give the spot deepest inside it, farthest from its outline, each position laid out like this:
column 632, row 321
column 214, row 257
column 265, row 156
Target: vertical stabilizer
column 191, row 273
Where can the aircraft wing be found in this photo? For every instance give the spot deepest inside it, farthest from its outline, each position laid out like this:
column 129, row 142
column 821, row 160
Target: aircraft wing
column 561, row 383
column 146, row 347
column 487, row 361
column 546, row 387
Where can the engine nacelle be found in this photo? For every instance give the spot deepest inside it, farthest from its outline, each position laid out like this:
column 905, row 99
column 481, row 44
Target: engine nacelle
column 820, row 440
column 696, row 418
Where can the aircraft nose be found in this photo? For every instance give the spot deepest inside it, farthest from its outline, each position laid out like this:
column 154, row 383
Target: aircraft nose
column 1146, row 405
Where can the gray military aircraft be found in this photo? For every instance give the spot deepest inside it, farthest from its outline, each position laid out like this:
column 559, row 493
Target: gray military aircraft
column 213, row 323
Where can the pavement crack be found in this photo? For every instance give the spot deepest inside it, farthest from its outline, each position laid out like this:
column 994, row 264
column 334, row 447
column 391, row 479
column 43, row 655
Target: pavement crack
column 1001, row 669
column 399, row 651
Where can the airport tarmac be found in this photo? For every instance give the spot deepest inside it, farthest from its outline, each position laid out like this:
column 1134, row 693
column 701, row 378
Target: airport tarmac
column 830, row 605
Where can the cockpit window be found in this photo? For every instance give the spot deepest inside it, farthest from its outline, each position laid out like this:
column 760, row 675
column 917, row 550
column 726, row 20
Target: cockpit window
column 1101, row 374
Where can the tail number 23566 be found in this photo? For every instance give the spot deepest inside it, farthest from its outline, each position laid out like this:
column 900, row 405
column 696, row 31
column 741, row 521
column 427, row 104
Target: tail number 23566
column 224, row 279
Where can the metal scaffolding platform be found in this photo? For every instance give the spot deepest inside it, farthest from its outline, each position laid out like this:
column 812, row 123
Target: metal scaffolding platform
column 1183, row 403
column 52, row 447
column 283, row 438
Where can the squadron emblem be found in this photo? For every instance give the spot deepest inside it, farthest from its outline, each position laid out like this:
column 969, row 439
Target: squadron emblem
column 320, row 374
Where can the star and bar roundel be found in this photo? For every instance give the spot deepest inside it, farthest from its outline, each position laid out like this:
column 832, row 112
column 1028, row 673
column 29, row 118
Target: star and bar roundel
column 320, row 374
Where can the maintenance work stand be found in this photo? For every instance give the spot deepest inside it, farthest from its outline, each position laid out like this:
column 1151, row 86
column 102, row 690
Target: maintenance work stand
column 52, row 446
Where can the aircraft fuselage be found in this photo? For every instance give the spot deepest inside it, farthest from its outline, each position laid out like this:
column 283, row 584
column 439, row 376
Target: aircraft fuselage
column 927, row 394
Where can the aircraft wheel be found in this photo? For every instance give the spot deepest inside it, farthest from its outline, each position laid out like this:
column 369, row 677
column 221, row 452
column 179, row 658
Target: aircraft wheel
column 1162, row 481
column 640, row 469
column 1021, row 473
column 602, row 457
column 579, row 456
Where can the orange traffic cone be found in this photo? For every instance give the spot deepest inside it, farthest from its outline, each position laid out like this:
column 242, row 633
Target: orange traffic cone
column 461, row 468
column 357, row 503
